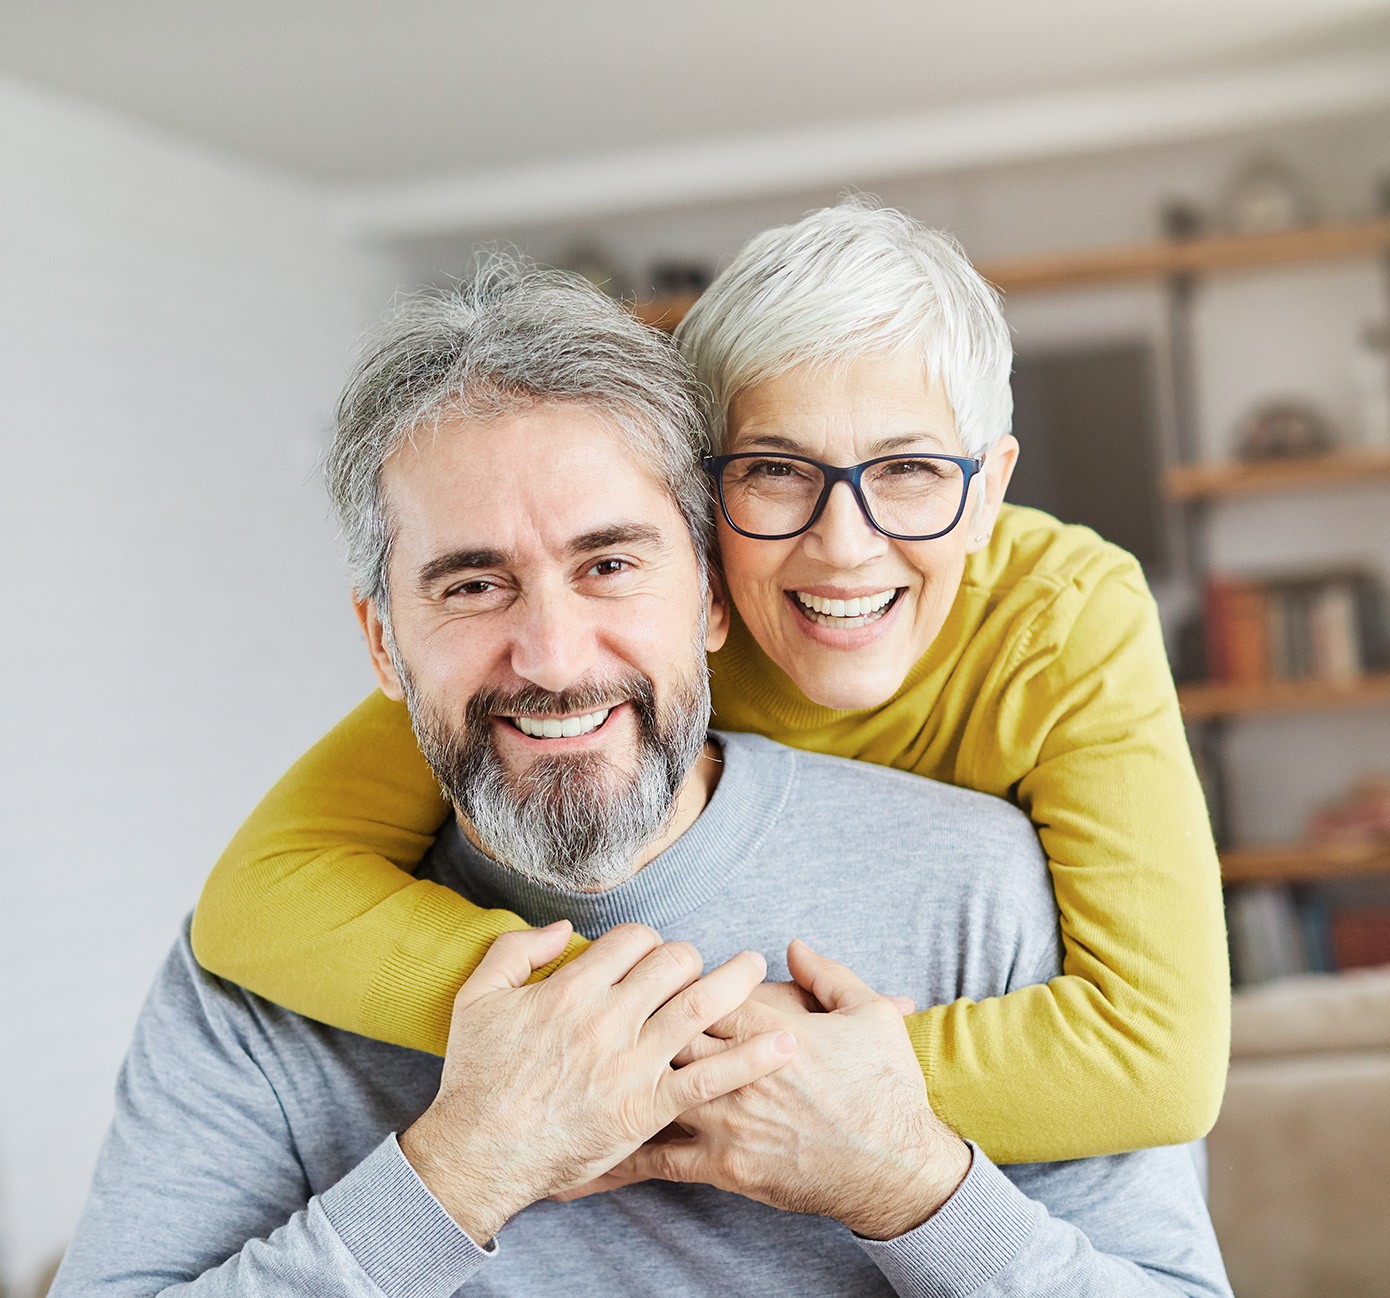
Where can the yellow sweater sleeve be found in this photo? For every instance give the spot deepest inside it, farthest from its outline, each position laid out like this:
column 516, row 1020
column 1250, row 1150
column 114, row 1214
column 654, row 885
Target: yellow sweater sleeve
column 1128, row 1048
column 312, row 904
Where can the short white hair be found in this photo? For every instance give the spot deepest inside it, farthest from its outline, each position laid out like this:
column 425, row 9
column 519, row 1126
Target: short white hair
column 851, row 281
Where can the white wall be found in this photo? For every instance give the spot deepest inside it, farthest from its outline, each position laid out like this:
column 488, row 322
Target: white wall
column 173, row 328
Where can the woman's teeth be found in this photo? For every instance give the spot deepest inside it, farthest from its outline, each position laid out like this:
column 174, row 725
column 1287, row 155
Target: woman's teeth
column 558, row 728
column 845, row 613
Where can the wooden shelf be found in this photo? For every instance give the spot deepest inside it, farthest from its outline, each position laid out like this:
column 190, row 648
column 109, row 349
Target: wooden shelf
column 1337, row 468
column 1201, row 702
column 1226, row 254
column 1304, row 862
column 1138, row 262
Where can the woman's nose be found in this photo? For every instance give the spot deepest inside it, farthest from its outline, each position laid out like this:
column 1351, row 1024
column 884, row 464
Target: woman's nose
column 842, row 536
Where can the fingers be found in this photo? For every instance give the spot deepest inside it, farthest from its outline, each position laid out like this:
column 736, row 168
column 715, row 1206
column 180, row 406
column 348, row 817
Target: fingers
column 746, row 1020
column 684, row 1017
column 609, row 959
column 671, row 968
column 512, row 959
column 736, row 1066
column 701, row 1047
column 667, row 1160
column 905, row 1005
column 835, row 986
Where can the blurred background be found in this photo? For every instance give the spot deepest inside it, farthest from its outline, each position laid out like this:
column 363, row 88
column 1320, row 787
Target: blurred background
column 1186, row 204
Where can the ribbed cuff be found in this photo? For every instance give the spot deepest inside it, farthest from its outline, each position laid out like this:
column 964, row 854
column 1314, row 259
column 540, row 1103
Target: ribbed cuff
column 967, row 1241
column 397, row 1230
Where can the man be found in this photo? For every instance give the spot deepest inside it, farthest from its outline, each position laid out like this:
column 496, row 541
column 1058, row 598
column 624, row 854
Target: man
column 527, row 529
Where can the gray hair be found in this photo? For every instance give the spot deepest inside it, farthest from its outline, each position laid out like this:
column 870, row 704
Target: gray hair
column 846, row 282
column 511, row 337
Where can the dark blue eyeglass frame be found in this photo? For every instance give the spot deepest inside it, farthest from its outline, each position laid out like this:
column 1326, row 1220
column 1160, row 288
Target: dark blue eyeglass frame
column 715, row 465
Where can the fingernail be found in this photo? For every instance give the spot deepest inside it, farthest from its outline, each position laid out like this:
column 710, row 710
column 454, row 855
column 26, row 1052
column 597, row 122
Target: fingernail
column 785, row 1043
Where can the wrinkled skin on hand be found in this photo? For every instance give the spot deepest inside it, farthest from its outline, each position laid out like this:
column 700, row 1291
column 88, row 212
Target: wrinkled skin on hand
column 845, row 1130
column 550, row 1084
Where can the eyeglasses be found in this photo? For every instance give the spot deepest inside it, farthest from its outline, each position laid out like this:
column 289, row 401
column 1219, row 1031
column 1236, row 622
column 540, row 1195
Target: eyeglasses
column 906, row 497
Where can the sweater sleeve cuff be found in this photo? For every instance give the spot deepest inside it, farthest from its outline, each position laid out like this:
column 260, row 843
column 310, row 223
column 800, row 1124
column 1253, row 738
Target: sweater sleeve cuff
column 966, row 1242
column 398, row 1231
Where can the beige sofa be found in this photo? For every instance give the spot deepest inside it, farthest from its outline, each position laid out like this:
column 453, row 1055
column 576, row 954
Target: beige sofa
column 1300, row 1157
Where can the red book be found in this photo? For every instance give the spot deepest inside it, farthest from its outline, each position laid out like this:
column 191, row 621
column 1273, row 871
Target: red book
column 1247, row 633
column 1236, row 619
column 1361, row 937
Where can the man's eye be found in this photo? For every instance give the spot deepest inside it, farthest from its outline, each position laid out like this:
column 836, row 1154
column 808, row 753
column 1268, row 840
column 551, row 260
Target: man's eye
column 609, row 567
column 478, row 587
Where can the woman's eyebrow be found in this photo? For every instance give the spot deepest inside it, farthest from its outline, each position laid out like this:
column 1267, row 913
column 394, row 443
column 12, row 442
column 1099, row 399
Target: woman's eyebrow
column 905, row 441
column 883, row 446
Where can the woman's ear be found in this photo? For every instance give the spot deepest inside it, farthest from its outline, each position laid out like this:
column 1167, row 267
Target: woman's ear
column 718, row 628
column 999, row 468
column 385, row 669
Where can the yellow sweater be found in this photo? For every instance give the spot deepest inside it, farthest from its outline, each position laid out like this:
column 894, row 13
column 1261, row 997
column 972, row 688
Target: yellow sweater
column 1048, row 686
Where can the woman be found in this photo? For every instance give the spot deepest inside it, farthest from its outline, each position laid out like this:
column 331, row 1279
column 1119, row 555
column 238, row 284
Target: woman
column 890, row 608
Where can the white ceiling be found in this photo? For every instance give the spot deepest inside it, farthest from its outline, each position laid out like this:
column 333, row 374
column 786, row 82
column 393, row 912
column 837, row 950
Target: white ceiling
column 425, row 113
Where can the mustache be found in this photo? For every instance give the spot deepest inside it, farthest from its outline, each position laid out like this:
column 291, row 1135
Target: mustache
column 586, row 696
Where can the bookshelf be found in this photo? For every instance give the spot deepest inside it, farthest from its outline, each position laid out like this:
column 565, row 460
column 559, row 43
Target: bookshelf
column 1351, row 467
column 1138, row 262
column 1209, row 700
column 1160, row 261
column 1304, row 862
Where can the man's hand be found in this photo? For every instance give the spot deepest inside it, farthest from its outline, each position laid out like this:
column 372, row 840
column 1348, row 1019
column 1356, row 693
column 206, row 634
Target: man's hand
column 548, row 1085
column 845, row 1130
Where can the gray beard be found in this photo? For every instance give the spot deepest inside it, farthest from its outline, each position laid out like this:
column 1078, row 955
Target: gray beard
column 570, row 821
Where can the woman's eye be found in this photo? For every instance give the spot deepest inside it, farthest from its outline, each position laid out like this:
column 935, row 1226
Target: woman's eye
column 909, row 468
column 771, row 469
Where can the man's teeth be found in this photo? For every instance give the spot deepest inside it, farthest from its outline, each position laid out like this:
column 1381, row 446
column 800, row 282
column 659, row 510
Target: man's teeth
column 845, row 612
column 558, row 728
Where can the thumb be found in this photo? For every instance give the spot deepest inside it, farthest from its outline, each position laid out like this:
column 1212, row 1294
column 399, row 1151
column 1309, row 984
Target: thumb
column 835, row 986
column 512, row 959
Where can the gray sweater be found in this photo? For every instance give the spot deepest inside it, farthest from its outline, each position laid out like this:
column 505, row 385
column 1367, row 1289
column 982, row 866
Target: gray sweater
column 252, row 1150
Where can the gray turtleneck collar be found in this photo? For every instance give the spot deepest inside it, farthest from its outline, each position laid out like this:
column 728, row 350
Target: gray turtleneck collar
column 754, row 787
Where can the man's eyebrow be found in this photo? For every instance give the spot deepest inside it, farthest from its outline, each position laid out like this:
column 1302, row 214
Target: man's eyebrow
column 456, row 561
column 617, row 535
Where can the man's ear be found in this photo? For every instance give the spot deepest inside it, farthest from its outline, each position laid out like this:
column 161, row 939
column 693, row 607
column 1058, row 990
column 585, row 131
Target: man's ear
column 999, row 468
column 385, row 669
column 718, row 628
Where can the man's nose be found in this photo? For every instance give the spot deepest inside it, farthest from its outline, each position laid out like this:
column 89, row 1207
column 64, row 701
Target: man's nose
column 554, row 642
column 842, row 536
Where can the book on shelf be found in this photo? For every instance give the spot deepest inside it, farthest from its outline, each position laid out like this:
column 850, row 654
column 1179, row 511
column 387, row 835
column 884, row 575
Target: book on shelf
column 1326, row 626
column 1279, row 929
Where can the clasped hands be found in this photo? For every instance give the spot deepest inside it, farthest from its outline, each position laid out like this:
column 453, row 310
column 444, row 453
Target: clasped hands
column 630, row 1063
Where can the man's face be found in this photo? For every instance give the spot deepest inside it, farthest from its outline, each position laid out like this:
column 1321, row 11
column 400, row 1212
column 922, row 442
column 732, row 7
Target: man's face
column 550, row 630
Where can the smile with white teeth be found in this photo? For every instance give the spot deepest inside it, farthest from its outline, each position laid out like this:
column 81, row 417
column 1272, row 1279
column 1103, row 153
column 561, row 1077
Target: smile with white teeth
column 845, row 614
column 560, row 727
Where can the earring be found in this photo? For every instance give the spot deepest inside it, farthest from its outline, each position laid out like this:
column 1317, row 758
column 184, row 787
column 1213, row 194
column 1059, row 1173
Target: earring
column 984, row 536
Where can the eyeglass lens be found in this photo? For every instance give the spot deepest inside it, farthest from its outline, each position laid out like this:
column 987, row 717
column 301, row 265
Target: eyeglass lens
column 772, row 495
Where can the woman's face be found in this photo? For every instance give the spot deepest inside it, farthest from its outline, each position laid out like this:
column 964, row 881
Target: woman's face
column 873, row 406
